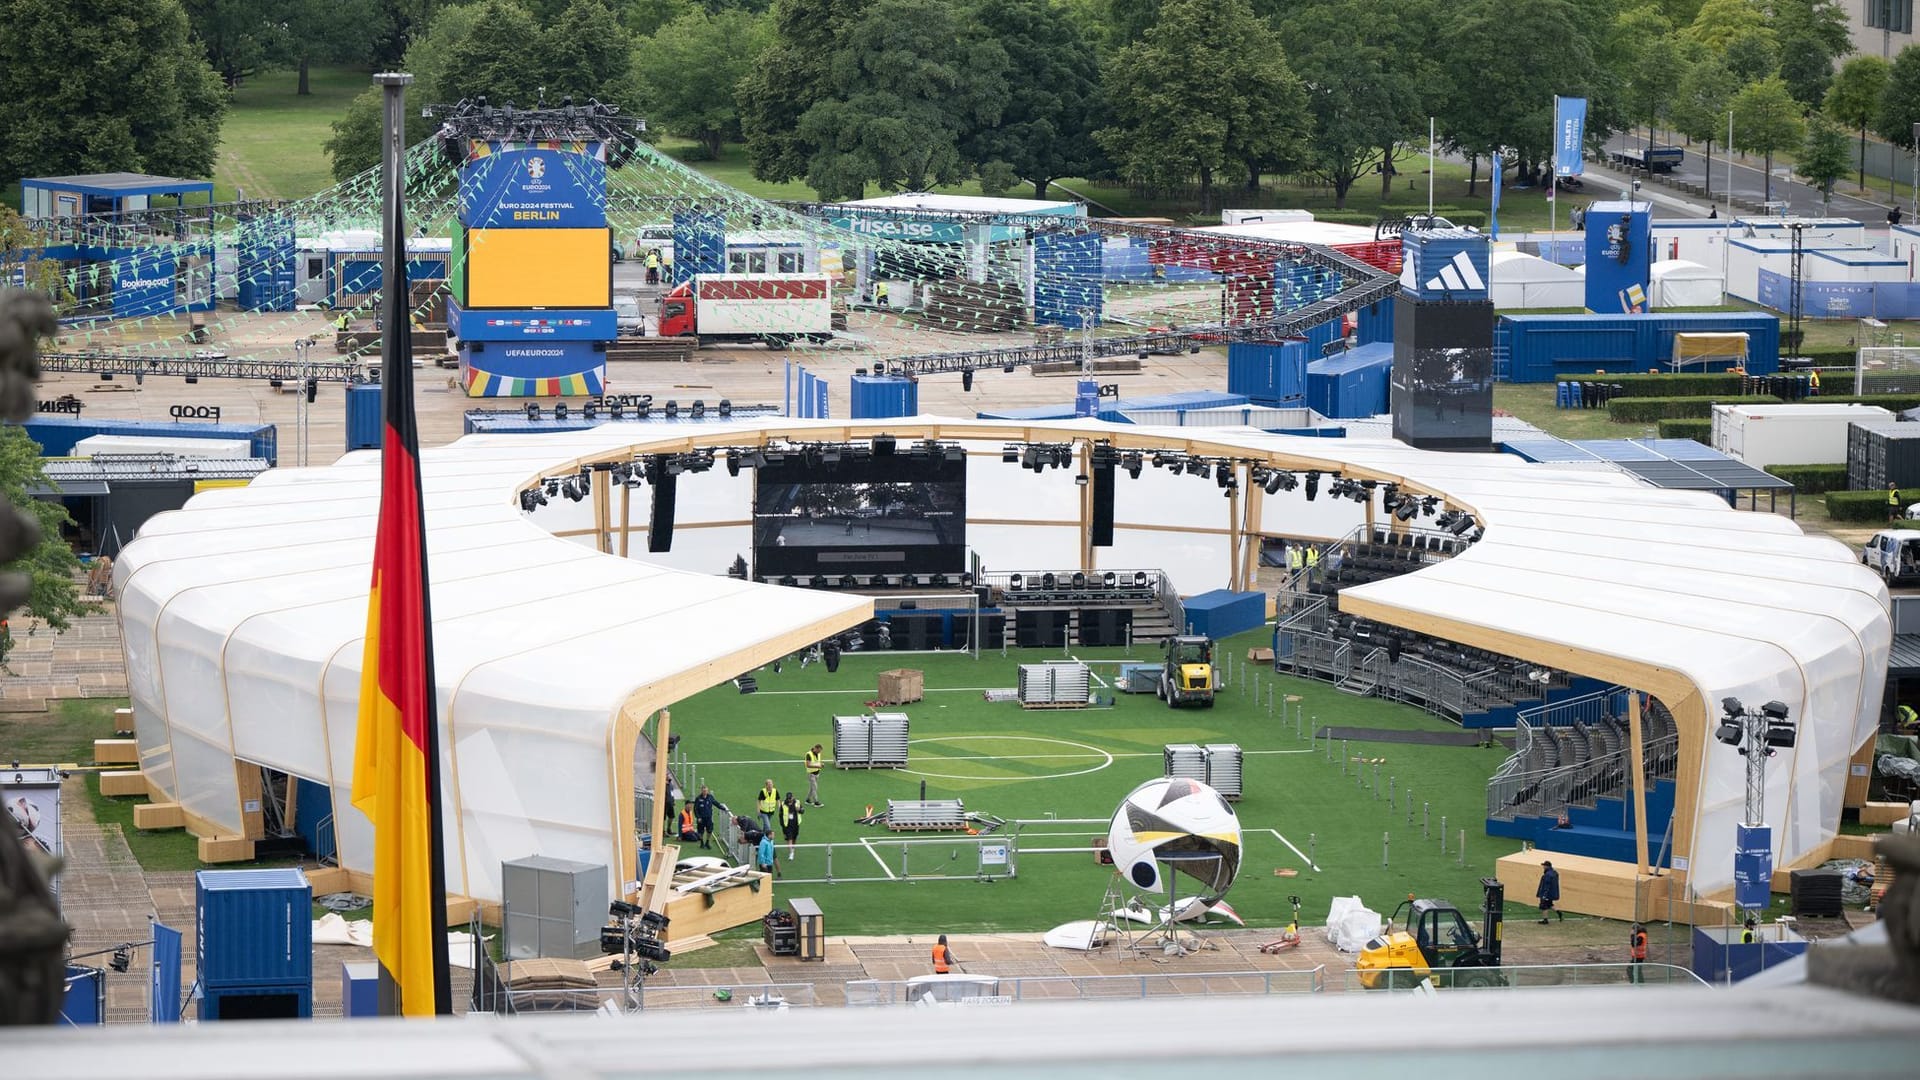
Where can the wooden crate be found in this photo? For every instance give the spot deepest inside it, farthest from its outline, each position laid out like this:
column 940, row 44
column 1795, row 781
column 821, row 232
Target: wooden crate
column 1261, row 655
column 225, row 849
column 1883, row 813
column 116, row 751
column 159, row 815
column 123, row 782
column 698, row 914
column 123, row 721
column 901, row 686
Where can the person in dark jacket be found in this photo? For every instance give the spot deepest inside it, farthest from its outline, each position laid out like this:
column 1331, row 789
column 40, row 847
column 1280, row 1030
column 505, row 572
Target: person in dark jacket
column 790, row 823
column 1549, row 892
column 703, row 805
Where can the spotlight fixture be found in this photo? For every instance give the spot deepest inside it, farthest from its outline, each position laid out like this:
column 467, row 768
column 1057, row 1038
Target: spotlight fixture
column 1010, row 454
column 1200, row 468
column 1132, row 462
column 1406, row 510
column 1313, row 485
column 883, row 445
column 1271, row 483
column 1461, row 524
column 559, row 410
column 122, row 959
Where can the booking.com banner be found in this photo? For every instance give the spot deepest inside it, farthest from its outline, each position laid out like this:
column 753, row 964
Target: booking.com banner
column 1570, row 134
column 1842, row 299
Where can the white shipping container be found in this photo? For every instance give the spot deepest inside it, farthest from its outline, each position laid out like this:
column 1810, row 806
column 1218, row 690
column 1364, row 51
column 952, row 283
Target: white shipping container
column 721, row 314
column 182, row 446
column 1803, row 434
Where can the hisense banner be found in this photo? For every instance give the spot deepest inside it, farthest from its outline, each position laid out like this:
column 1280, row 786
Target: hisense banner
column 1569, row 135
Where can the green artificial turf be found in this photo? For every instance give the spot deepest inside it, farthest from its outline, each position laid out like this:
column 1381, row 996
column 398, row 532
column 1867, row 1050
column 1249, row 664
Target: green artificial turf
column 1038, row 764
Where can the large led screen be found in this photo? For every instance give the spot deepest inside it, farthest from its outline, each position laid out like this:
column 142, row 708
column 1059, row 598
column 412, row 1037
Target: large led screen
column 539, row 268
column 859, row 514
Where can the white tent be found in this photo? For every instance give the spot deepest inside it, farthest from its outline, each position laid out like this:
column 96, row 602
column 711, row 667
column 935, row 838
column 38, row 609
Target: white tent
column 243, row 616
column 1521, row 280
column 1680, row 283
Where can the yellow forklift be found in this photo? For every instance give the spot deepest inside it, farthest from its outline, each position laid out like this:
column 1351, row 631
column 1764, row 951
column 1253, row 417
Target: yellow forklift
column 1435, row 941
column 1187, row 678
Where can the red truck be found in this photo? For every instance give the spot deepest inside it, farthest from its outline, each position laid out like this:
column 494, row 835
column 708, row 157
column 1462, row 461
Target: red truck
column 777, row 309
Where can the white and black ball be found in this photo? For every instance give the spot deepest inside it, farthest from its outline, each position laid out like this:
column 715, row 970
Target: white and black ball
column 1173, row 823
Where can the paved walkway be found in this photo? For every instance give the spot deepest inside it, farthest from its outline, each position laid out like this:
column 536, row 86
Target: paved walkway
column 84, row 662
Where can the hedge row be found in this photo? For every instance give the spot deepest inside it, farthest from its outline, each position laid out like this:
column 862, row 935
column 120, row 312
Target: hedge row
column 1813, row 479
column 1641, row 410
column 1650, row 386
column 1459, row 216
column 1700, row 431
column 1865, row 505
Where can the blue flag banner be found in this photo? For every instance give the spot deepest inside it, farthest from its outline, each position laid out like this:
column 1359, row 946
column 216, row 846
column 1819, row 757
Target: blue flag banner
column 1493, row 214
column 1570, row 134
column 165, row 999
column 1752, row 866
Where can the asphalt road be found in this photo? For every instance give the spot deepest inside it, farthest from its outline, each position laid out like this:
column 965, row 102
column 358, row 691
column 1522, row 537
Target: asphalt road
column 1749, row 182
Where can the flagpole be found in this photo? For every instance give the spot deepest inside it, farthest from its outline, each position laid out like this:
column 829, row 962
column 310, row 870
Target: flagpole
column 401, row 480
column 1553, row 186
column 1429, row 170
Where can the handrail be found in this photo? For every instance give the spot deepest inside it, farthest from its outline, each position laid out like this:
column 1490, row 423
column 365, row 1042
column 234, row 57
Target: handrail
column 1043, row 988
column 1527, row 977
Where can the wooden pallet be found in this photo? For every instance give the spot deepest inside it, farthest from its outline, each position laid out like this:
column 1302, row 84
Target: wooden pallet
column 872, row 765
column 1054, row 704
column 678, row 349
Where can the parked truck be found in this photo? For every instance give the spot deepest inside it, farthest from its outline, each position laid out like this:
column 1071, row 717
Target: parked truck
column 776, row 309
column 1652, row 159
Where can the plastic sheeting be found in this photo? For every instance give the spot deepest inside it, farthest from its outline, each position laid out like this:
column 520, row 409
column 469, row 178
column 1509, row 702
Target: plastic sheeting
column 1351, row 924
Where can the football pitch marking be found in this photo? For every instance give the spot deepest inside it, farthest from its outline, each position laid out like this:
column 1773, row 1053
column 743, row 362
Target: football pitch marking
column 1106, row 758
column 1110, row 755
column 1275, row 833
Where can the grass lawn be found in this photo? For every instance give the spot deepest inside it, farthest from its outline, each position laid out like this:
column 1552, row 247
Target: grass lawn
column 270, row 144
column 1078, row 764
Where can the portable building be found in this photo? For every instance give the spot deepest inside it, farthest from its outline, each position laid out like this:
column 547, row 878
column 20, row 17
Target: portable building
column 1801, row 434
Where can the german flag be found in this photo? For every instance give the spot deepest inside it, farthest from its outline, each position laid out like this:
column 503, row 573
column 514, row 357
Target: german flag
column 396, row 760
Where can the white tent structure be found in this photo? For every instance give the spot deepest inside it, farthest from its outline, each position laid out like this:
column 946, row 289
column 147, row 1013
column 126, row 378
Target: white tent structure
column 244, row 613
column 1521, row 280
column 1680, row 283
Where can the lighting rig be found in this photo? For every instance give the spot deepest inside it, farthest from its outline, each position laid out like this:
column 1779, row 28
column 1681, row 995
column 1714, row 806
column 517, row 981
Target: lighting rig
column 1757, row 734
column 633, row 937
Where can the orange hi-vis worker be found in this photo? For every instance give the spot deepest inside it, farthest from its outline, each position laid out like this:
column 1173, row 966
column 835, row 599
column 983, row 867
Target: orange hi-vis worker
column 943, row 961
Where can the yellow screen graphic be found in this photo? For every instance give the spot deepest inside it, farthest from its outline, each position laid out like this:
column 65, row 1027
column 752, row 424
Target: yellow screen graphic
column 545, row 268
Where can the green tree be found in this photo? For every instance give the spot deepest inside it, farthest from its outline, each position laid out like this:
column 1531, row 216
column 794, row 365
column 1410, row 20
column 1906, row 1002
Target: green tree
column 1719, row 22
column 355, row 145
column 644, row 18
column 791, row 77
column 1701, row 104
column 1821, row 23
column 124, row 88
column 1054, row 98
column 239, row 36
column 1648, row 65
column 327, row 32
column 1900, row 104
column 584, row 53
column 687, row 73
column 1806, row 69
column 1501, row 95
column 908, row 84
column 1751, row 54
column 54, row 594
column 499, row 58
column 1823, row 156
column 1183, row 106
column 1854, row 98
column 1358, row 96
column 1766, row 119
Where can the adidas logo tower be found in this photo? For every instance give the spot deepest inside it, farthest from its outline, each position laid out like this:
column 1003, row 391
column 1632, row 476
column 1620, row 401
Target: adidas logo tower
column 1443, row 342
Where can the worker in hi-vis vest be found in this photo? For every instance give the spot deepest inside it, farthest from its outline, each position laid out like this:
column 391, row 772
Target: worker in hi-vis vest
column 812, row 762
column 766, row 803
column 943, row 959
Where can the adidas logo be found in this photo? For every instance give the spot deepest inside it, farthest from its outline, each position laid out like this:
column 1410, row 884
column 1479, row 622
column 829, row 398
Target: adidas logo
column 1457, row 276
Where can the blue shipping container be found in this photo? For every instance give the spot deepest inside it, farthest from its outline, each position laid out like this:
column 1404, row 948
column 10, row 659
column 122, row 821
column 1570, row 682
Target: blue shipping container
column 365, row 424
column 57, row 435
column 254, row 928
column 1223, row 613
column 1545, row 348
column 1267, row 372
column 1179, row 402
column 1376, row 322
column 293, row 1002
column 882, row 397
column 1352, row 384
column 1447, row 264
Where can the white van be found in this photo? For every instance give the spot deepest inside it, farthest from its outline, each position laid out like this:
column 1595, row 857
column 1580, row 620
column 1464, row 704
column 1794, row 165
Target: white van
column 1894, row 554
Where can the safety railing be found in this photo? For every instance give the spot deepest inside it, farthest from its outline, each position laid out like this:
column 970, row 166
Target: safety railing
column 1546, row 791
column 772, row 995
column 1528, row 977
column 992, row 990
column 989, row 857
